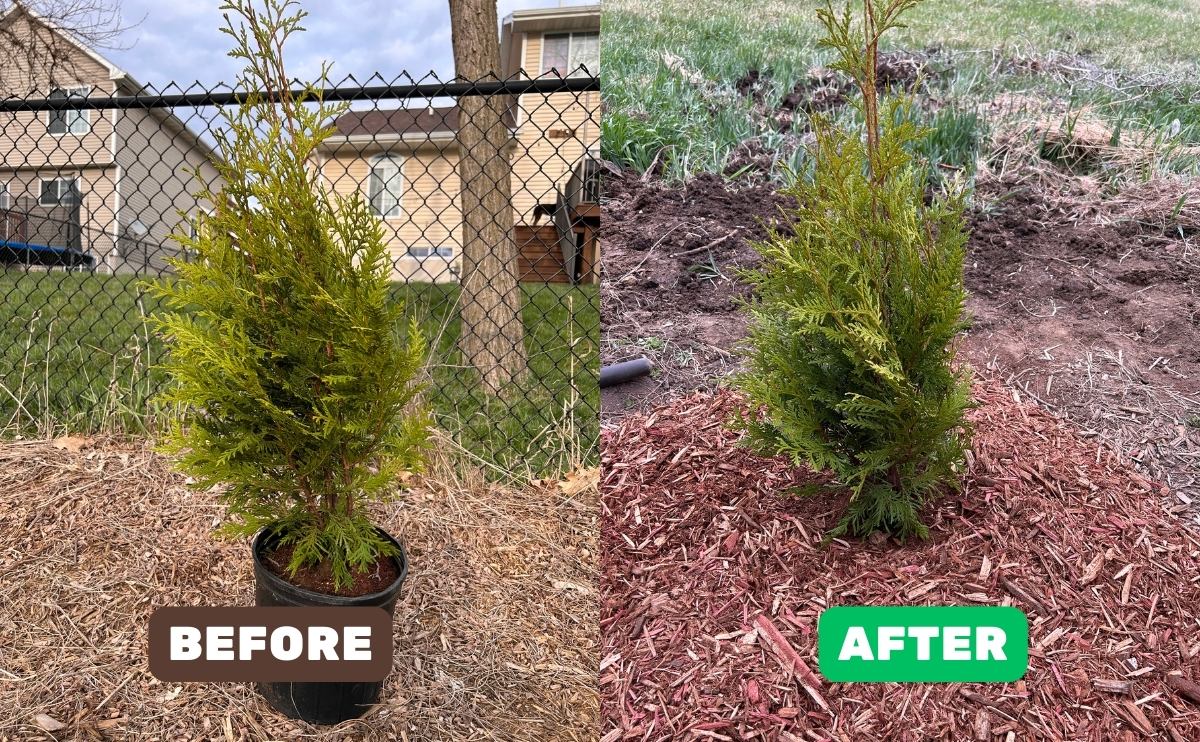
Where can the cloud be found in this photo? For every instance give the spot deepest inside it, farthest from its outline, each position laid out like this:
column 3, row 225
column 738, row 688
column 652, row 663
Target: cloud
column 178, row 40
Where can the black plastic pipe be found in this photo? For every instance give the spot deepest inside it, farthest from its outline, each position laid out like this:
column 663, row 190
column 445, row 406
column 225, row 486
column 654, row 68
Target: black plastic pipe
column 619, row 373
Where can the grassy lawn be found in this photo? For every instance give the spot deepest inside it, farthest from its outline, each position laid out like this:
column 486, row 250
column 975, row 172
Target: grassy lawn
column 76, row 354
column 671, row 65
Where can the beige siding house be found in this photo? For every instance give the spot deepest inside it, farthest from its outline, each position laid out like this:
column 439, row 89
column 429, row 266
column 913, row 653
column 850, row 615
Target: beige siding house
column 109, row 183
column 404, row 161
column 555, row 131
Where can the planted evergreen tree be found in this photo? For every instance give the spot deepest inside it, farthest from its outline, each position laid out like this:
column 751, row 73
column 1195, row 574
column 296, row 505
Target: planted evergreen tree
column 296, row 387
column 856, row 311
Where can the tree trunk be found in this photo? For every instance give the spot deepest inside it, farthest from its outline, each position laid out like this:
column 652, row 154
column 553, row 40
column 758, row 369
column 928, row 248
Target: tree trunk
column 493, row 334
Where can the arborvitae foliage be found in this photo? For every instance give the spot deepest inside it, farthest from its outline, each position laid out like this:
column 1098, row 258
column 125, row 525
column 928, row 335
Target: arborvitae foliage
column 296, row 387
column 852, row 330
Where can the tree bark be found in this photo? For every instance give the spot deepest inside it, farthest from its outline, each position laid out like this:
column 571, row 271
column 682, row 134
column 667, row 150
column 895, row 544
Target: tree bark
column 493, row 334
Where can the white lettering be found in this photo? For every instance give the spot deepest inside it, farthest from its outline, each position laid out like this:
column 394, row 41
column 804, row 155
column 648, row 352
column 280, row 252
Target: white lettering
column 185, row 643
column 923, row 635
column 251, row 639
column 956, row 643
column 322, row 643
column 989, row 643
column 295, row 643
column 358, row 643
column 219, row 641
column 891, row 639
column 856, row 645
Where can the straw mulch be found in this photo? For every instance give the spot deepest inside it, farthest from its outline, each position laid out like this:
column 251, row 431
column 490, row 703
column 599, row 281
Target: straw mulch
column 495, row 632
column 713, row 580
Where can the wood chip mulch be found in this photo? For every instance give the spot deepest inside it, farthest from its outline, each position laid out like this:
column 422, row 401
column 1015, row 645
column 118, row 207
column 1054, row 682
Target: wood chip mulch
column 713, row 579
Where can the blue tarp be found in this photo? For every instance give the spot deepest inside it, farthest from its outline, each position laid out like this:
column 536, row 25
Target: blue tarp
column 28, row 253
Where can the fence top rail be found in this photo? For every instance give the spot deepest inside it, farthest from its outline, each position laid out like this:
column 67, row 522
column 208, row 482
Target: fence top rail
column 452, row 89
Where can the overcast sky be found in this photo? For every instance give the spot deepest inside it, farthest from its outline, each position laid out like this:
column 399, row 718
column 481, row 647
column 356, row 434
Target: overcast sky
column 178, row 40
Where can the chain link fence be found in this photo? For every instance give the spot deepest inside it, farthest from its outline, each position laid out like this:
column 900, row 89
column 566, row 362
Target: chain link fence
column 95, row 188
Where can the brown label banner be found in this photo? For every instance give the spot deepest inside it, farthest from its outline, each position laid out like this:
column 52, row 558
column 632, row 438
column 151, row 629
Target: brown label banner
column 251, row 644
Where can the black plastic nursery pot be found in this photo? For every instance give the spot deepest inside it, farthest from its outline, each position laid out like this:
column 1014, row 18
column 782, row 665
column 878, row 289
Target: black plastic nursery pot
column 320, row 703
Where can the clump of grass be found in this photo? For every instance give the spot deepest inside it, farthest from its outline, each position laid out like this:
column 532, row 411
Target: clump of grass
column 951, row 144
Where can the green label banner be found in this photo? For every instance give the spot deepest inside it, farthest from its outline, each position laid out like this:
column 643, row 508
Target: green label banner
column 923, row 644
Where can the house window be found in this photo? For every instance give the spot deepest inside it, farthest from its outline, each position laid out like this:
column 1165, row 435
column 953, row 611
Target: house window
column 386, row 185
column 56, row 191
column 425, row 251
column 5, row 196
column 69, row 122
column 565, row 53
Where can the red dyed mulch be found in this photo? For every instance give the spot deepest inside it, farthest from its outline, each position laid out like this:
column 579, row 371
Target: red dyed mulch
column 712, row 582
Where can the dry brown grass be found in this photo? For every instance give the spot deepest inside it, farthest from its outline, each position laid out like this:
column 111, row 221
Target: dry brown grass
column 1090, row 171
column 495, row 633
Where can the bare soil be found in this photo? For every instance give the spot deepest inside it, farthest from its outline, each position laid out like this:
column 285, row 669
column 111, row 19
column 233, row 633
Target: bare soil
column 319, row 577
column 670, row 289
column 1098, row 323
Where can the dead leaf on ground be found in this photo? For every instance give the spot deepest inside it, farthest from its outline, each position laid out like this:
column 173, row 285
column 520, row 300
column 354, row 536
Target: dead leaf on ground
column 579, row 480
column 72, row 443
column 48, row 723
column 565, row 585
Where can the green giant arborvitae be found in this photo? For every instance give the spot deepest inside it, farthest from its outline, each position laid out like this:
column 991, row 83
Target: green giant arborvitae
column 856, row 311
column 297, row 388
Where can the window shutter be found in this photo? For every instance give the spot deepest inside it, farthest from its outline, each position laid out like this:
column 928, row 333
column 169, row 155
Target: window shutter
column 375, row 188
column 57, row 120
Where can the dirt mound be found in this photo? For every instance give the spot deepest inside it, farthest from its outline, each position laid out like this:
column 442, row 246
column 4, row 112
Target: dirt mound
column 823, row 89
column 711, row 576
column 750, row 85
column 751, row 162
column 902, row 68
column 670, row 288
column 1100, row 323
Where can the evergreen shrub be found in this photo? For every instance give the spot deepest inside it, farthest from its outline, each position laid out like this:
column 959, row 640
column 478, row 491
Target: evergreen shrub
column 297, row 389
column 856, row 309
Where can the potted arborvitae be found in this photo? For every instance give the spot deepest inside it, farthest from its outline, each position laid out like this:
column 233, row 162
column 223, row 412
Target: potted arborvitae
column 295, row 380
column 852, row 330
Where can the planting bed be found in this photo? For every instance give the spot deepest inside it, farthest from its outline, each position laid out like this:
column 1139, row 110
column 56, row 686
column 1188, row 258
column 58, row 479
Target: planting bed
column 495, row 633
column 1090, row 306
column 713, row 580
column 670, row 287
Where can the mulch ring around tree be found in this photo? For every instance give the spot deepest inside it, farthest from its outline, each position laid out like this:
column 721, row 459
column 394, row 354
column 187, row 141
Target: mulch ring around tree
column 495, row 630
column 713, row 579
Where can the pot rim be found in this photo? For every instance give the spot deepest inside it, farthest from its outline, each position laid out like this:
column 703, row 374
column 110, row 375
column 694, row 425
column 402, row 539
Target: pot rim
column 382, row 596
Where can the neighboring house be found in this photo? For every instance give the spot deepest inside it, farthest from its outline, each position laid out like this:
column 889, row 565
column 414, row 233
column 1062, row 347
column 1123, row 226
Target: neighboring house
column 405, row 160
column 109, row 183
